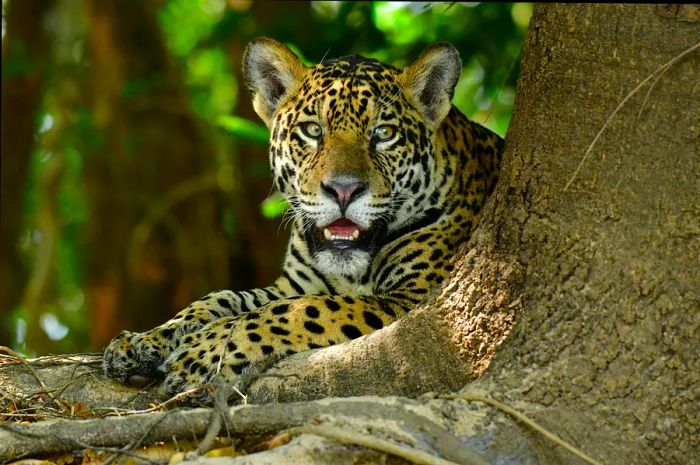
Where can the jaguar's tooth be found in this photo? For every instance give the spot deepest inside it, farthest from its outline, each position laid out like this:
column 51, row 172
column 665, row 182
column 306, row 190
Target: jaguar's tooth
column 327, row 233
column 336, row 237
column 355, row 234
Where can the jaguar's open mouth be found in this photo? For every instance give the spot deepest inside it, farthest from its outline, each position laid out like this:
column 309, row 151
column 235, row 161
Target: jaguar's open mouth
column 341, row 234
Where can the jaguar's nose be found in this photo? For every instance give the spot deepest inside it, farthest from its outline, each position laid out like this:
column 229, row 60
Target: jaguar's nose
column 344, row 190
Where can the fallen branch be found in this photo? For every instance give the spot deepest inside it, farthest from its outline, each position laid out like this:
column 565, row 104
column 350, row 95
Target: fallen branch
column 383, row 414
column 72, row 378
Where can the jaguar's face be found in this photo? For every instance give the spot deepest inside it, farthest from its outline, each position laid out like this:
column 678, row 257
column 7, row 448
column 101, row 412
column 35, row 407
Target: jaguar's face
column 351, row 155
column 352, row 151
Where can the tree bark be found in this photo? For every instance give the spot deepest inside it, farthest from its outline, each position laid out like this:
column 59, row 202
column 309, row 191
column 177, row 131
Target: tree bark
column 610, row 265
column 576, row 299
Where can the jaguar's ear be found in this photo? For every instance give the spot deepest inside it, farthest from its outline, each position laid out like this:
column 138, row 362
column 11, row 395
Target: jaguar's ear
column 429, row 82
column 271, row 72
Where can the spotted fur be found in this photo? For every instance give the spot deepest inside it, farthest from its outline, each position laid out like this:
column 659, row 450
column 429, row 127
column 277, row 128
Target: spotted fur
column 353, row 140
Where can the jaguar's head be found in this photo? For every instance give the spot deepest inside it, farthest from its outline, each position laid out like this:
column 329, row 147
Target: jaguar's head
column 352, row 143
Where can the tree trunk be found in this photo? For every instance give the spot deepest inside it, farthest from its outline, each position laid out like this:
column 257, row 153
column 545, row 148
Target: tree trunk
column 607, row 347
column 576, row 300
column 151, row 255
column 24, row 48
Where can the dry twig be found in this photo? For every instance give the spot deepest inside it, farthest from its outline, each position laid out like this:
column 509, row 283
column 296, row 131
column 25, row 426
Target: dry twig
column 660, row 71
column 372, row 442
column 529, row 422
column 35, row 375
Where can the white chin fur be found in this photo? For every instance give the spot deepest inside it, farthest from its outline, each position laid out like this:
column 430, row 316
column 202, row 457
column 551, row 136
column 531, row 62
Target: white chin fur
column 352, row 263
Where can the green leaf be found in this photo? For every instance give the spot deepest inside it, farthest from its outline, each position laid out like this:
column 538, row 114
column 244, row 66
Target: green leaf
column 244, row 128
column 274, row 206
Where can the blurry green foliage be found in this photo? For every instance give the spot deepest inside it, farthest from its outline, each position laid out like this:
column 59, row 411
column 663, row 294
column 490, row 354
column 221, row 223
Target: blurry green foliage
column 65, row 313
column 244, row 128
column 187, row 22
column 273, row 206
column 212, row 86
column 201, row 35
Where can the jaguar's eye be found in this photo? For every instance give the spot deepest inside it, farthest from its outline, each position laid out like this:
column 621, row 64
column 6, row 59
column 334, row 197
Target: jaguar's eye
column 384, row 132
column 313, row 130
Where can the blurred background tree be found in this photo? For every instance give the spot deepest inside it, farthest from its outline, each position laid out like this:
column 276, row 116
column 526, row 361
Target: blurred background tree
column 134, row 170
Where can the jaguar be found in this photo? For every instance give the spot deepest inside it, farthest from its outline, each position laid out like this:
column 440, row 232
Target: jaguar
column 384, row 179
